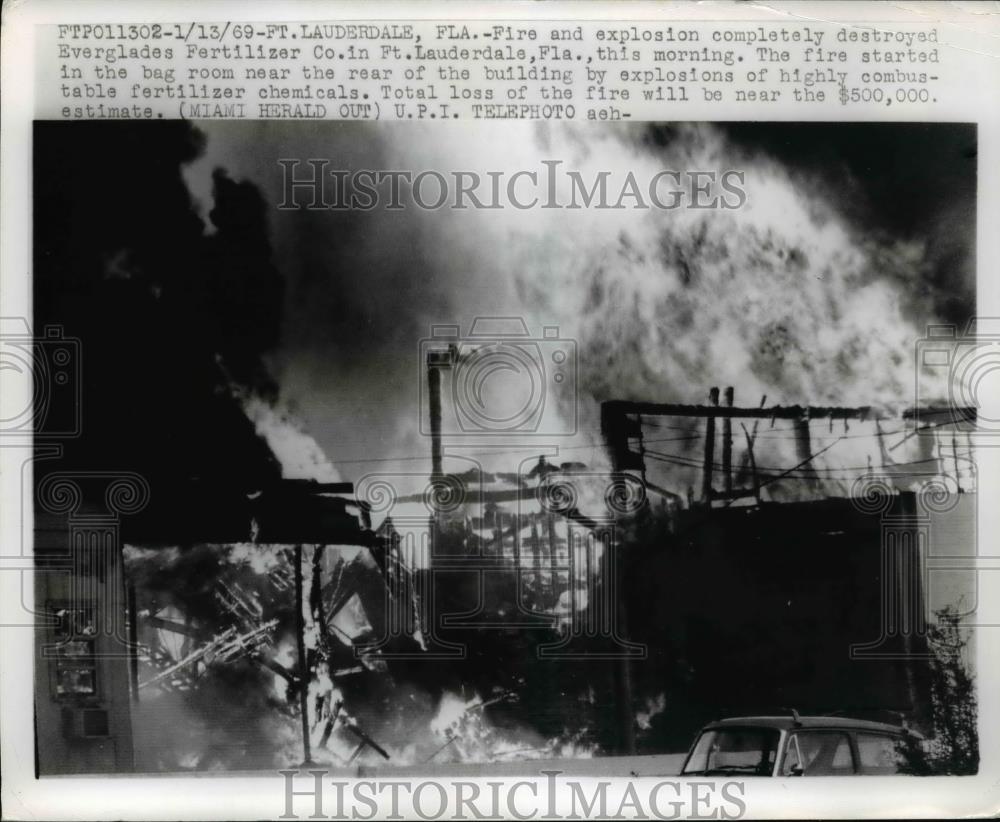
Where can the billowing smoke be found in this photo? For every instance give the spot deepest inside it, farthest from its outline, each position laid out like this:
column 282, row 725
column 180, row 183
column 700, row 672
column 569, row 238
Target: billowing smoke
column 165, row 312
column 780, row 297
column 804, row 295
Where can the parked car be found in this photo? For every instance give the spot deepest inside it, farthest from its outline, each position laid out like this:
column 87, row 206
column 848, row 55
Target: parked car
column 797, row 746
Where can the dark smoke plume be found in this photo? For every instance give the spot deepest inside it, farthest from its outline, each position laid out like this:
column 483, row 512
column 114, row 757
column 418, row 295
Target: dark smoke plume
column 123, row 262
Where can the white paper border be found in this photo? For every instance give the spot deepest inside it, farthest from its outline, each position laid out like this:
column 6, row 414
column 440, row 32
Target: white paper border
column 250, row 797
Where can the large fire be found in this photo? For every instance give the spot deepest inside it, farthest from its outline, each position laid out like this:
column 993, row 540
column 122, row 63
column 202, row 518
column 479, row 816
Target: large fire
column 786, row 299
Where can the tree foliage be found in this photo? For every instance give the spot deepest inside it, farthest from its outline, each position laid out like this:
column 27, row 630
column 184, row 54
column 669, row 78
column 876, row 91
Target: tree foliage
column 952, row 746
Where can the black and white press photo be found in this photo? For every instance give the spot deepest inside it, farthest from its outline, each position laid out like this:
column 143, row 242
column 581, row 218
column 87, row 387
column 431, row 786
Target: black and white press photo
column 628, row 449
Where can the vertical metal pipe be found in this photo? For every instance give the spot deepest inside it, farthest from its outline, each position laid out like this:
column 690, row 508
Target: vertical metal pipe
column 803, row 452
column 803, row 446
column 434, row 399
column 727, row 446
column 300, row 640
column 706, row 474
column 753, row 463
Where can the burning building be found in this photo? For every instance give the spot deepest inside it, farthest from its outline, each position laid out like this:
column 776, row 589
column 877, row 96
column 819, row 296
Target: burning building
column 217, row 594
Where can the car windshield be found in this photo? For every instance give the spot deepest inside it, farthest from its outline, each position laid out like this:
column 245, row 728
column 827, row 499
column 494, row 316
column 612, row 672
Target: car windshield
column 734, row 750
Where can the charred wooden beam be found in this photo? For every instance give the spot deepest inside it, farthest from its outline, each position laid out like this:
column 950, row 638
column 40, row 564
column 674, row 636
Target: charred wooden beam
column 706, row 474
column 752, row 460
column 434, row 364
column 277, row 667
column 734, row 493
column 803, row 450
column 727, row 445
column 191, row 658
column 175, row 627
column 308, row 486
column 937, row 414
column 366, row 740
column 330, row 722
column 622, row 408
column 451, row 741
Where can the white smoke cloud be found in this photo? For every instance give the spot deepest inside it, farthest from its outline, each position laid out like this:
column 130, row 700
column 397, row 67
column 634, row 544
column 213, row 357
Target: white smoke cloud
column 299, row 455
column 781, row 297
column 785, row 297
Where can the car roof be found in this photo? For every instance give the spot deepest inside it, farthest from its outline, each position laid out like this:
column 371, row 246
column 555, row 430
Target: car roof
column 789, row 722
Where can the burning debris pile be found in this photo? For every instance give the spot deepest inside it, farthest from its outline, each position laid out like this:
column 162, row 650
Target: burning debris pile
column 334, row 651
column 234, row 610
column 292, row 639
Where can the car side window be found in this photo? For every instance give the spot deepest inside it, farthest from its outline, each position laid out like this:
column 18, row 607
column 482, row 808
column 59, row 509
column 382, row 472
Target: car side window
column 879, row 753
column 820, row 753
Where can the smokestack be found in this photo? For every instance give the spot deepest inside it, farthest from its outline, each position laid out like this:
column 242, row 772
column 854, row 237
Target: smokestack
column 706, row 474
column 434, row 401
column 802, row 445
column 803, row 451
column 727, row 445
